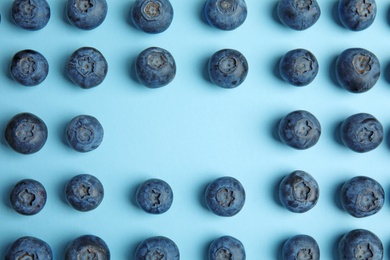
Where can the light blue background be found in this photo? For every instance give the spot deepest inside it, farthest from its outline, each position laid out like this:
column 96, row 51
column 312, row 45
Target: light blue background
column 191, row 132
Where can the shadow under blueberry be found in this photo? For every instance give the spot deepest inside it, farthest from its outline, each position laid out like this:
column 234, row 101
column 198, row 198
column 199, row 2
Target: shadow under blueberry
column 388, row 137
column 276, row 70
column 275, row 129
column 201, row 194
column 206, row 248
column 62, row 191
column 275, row 15
column 132, row 195
column 335, row 14
column 275, row 191
column 337, row 134
column 202, row 15
column 337, row 196
column 7, row 192
column 64, row 14
column 205, row 69
column 332, row 72
column 386, row 72
column 337, row 239
column 388, row 16
column 279, row 249
column 132, row 73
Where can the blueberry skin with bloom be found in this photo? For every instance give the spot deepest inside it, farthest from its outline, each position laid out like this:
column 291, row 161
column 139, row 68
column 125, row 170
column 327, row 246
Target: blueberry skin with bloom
column 84, row 133
column 154, row 196
column 357, row 15
column 87, row 67
column 225, row 196
column 298, row 67
column 29, row 247
column 29, row 68
column 158, row 247
column 362, row 196
column 228, row 68
column 298, row 14
column 155, row 67
column 86, row 14
column 299, row 129
column 226, row 247
column 26, row 133
column 87, row 247
column 357, row 70
column 361, row 132
column 301, row 247
column 152, row 16
column 31, row 14
column 360, row 244
column 299, row 192
column 226, row 14
column 28, row 197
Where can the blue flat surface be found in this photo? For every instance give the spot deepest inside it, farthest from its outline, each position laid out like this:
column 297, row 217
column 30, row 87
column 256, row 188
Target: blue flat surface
column 191, row 132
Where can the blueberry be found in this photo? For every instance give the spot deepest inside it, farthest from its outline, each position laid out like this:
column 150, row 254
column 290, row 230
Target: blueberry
column 84, row 133
column 31, row 14
column 226, row 247
column 87, row 67
column 357, row 15
column 299, row 192
column 357, row 70
column 155, row 67
column 227, row 68
column 84, row 192
column 154, row 196
column 158, row 247
column 298, row 67
column 226, row 14
column 28, row 197
column 360, row 244
column 152, row 16
column 225, row 196
column 29, row 67
column 301, row 247
column 87, row 247
column 299, row 129
column 28, row 247
column 86, row 14
column 26, row 133
column 362, row 196
column 361, row 132
column 298, row 14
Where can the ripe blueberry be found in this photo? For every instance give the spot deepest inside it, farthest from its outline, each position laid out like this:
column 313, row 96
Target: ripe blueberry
column 361, row 132
column 228, row 68
column 29, row 248
column 87, row 247
column 158, row 247
column 155, row 67
column 28, row 197
column 226, row 14
column 152, row 16
column 298, row 14
column 226, row 247
column 86, row 14
column 31, row 14
column 154, row 196
column 357, row 70
column 29, row 67
column 360, row 244
column 299, row 192
column 301, row 247
column 26, row 133
column 357, row 15
column 225, row 196
column 299, row 129
column 298, row 67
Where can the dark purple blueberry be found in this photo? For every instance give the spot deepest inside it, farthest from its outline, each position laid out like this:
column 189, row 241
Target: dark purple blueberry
column 31, row 14
column 226, row 14
column 154, row 196
column 357, row 15
column 299, row 129
column 360, row 244
column 26, row 133
column 301, row 247
column 84, row 192
column 298, row 14
column 84, row 133
column 26, row 248
column 299, row 192
column 86, row 14
column 228, row 68
column 158, row 247
column 361, row 132
column 226, row 247
column 87, row 247
column 28, row 197
column 225, row 196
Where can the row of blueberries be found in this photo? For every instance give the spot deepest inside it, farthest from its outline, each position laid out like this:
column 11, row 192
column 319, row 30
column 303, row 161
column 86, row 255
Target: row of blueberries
column 357, row 69
column 155, row 16
column 355, row 244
